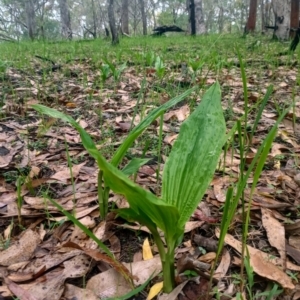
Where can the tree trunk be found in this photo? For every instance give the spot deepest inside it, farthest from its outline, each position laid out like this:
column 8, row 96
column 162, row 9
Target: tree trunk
column 112, row 22
column 192, row 17
column 124, row 17
column 221, row 19
column 144, row 17
column 268, row 13
column 30, row 19
column 250, row 27
column 294, row 17
column 262, row 16
column 65, row 19
column 94, row 20
column 196, row 17
column 282, row 11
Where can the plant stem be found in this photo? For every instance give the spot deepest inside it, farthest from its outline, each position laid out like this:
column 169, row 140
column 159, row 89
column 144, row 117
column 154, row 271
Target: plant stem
column 169, row 271
column 167, row 260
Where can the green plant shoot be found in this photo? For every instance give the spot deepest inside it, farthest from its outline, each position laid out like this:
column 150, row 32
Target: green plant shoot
column 103, row 191
column 187, row 174
column 159, row 67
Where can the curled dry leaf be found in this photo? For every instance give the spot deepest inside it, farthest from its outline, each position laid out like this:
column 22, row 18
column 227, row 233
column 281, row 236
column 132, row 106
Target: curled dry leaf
column 262, row 263
column 275, row 232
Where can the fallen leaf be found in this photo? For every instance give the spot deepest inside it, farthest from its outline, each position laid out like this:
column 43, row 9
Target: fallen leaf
column 155, row 290
column 276, row 233
column 21, row 250
column 111, row 284
column 262, row 263
column 223, row 266
column 147, row 252
column 19, row 291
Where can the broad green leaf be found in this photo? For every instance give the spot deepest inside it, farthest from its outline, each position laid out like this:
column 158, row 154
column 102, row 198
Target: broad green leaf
column 141, row 201
column 144, row 203
column 134, row 165
column 195, row 154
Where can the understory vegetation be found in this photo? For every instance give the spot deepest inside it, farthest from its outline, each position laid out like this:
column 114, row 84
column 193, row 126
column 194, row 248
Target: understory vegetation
column 159, row 166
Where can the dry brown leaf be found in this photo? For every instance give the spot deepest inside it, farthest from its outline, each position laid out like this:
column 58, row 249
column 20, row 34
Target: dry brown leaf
column 170, row 139
column 174, row 294
column 19, row 291
column 72, row 292
column 48, row 262
column 191, row 225
column 268, row 270
column 262, row 263
column 276, row 233
column 21, row 250
column 111, row 284
column 115, row 246
column 223, row 266
column 208, row 257
column 98, row 256
column 294, row 241
column 65, row 173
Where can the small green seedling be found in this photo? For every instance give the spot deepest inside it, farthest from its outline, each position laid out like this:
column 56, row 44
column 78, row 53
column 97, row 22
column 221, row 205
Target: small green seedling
column 105, row 72
column 195, row 65
column 159, row 67
column 149, row 58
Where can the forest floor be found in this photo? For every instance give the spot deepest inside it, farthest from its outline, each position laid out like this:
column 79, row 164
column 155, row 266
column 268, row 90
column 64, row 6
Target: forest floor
column 108, row 90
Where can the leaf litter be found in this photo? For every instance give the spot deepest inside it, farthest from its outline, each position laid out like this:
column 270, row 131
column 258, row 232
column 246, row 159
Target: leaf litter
column 47, row 257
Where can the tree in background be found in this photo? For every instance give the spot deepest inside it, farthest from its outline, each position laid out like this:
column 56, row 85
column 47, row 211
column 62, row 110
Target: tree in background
column 294, row 17
column 250, row 26
column 30, row 19
column 196, row 17
column 125, row 17
column 94, row 19
column 144, row 17
column 112, row 22
column 89, row 18
column 282, row 11
column 65, row 19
